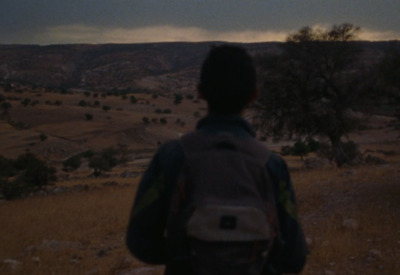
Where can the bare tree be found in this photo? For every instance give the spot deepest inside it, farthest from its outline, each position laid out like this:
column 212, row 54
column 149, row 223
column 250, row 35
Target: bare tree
column 312, row 86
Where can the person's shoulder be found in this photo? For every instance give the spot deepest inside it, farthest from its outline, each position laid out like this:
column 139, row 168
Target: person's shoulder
column 169, row 145
column 276, row 164
column 170, row 149
column 275, row 159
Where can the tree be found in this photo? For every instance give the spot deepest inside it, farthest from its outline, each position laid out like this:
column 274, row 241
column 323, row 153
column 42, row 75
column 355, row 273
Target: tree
column 24, row 175
column 72, row 163
column 5, row 106
column 178, row 99
column 146, row 120
column 389, row 70
column 313, row 86
column 106, row 108
column 88, row 116
column 103, row 161
column 133, row 99
column 82, row 103
column 26, row 101
column 42, row 137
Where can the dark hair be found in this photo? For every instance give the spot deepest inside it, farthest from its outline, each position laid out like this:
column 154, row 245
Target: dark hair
column 227, row 79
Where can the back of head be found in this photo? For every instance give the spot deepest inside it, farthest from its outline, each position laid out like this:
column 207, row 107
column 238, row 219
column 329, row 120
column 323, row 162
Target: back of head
column 227, row 79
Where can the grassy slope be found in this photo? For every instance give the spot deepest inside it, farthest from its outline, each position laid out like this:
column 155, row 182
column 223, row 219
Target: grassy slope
column 80, row 232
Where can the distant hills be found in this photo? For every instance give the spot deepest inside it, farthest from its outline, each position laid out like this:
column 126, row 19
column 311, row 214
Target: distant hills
column 155, row 67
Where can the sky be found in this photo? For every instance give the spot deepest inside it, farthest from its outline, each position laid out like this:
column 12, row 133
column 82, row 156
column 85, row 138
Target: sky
column 138, row 21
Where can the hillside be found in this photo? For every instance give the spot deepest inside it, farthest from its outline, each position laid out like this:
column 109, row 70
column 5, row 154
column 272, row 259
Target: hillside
column 157, row 67
column 57, row 97
column 165, row 67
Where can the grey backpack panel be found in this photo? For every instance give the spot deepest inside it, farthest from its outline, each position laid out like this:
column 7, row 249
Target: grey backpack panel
column 224, row 205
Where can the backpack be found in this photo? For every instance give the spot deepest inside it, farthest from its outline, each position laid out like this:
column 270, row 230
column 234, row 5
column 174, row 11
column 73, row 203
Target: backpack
column 222, row 218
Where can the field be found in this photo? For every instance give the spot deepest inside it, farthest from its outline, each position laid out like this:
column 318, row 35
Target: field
column 351, row 216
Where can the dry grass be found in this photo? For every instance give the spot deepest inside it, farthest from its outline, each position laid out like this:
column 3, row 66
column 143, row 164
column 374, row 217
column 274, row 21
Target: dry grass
column 70, row 233
column 367, row 195
column 82, row 232
column 91, row 224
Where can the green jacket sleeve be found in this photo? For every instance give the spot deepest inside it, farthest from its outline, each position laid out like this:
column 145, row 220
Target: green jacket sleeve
column 145, row 234
column 290, row 255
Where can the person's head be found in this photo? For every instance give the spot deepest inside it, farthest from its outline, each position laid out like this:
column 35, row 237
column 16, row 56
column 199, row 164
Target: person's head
column 227, row 80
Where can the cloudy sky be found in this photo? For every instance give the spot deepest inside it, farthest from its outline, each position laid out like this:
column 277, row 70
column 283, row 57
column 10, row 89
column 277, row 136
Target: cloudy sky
column 135, row 21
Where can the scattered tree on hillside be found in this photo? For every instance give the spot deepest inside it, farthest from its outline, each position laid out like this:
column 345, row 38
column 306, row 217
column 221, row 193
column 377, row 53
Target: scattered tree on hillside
column 390, row 73
column 42, row 137
column 88, row 116
column 5, row 106
column 82, row 103
column 106, row 108
column 311, row 88
column 178, row 99
column 26, row 101
column 123, row 154
column 24, row 175
column 146, row 120
column 72, row 163
column 103, row 161
column 133, row 99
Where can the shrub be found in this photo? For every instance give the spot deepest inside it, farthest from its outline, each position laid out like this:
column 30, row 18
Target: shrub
column 88, row 116
column 6, row 167
column 18, row 124
column 16, row 188
column 87, row 94
column 103, row 161
column 82, row 103
column 106, row 108
column 145, row 120
column 178, row 99
column 38, row 174
column 72, row 163
column 42, row 137
column 63, row 91
column 313, row 144
column 300, row 148
column 350, row 151
column 5, row 106
column 30, row 173
column 286, row 150
column 88, row 154
column 133, row 99
column 123, row 153
column 163, row 120
column 26, row 101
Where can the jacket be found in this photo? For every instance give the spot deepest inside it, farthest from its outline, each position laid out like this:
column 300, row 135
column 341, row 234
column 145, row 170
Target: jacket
column 145, row 234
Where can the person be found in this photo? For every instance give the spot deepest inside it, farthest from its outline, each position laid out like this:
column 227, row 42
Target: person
column 228, row 85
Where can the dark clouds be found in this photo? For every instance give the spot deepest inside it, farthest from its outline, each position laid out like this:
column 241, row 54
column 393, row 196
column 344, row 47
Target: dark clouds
column 27, row 20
